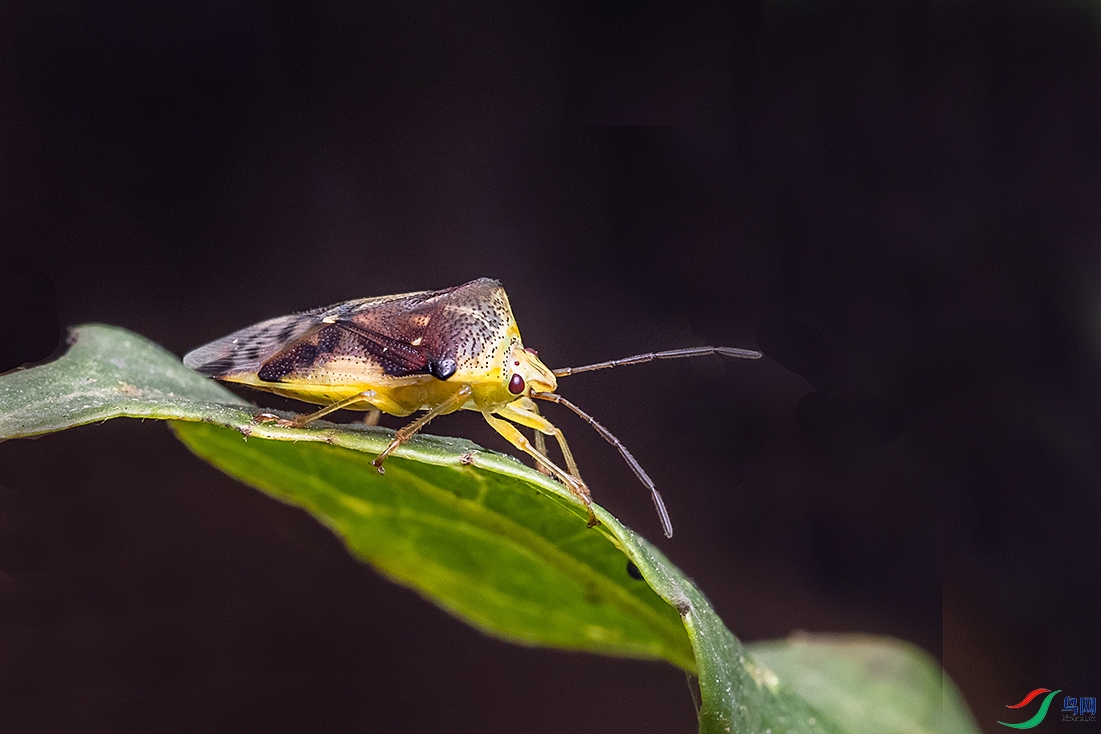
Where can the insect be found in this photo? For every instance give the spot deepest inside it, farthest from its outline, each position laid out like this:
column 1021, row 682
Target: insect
column 432, row 351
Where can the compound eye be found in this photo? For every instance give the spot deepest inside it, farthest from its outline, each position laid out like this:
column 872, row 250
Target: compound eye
column 516, row 384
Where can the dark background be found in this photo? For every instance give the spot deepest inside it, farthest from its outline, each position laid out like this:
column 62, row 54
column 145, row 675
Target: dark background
column 898, row 204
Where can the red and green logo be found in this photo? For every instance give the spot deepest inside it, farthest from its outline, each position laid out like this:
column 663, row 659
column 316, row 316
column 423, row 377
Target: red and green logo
column 1040, row 714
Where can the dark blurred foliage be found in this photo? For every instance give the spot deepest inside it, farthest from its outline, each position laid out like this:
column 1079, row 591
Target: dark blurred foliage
column 898, row 202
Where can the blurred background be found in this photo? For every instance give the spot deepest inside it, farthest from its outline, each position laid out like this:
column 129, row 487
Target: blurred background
column 897, row 203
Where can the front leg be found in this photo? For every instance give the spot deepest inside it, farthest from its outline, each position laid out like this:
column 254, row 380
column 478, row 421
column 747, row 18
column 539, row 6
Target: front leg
column 540, row 437
column 526, row 414
column 577, row 487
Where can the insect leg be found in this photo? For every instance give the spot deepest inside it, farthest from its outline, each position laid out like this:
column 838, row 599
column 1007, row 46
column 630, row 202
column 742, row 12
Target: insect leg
column 371, row 419
column 540, row 439
column 541, row 447
column 512, row 434
column 529, row 416
column 406, row 432
column 305, row 419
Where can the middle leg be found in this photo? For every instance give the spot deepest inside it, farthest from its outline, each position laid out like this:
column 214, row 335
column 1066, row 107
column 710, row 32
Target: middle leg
column 406, row 432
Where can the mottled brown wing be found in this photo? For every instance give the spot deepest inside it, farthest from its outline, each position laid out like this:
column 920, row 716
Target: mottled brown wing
column 322, row 347
column 243, row 352
column 435, row 332
column 431, row 332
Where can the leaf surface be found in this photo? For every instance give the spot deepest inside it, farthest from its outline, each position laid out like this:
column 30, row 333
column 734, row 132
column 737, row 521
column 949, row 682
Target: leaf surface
column 873, row 685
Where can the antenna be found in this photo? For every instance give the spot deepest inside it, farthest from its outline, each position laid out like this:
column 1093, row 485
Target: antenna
column 659, row 504
column 663, row 514
column 669, row 354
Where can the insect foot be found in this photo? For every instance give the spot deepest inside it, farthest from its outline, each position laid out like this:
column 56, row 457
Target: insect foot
column 581, row 491
column 273, row 418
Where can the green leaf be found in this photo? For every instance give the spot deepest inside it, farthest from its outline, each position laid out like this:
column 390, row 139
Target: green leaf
column 109, row 372
column 870, row 685
column 496, row 543
column 501, row 554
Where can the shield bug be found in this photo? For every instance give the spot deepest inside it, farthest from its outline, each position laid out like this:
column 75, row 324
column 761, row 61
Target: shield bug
column 432, row 351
